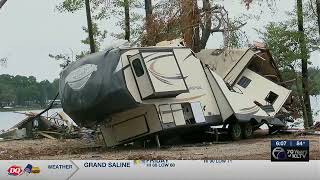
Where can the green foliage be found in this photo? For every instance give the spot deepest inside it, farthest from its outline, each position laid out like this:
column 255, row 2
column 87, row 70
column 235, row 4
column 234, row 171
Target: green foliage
column 310, row 23
column 101, row 11
column 3, row 61
column 64, row 57
column 237, row 37
column 283, row 43
column 24, row 91
column 314, row 76
column 314, row 80
column 71, row 6
column 104, row 9
column 98, row 36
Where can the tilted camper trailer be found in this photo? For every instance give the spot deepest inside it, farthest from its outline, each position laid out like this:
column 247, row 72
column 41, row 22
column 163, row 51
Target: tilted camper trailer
column 134, row 93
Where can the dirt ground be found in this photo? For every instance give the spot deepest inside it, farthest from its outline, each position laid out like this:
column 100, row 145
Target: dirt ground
column 257, row 148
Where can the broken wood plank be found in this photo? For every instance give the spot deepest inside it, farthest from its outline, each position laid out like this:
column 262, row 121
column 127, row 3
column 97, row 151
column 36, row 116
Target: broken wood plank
column 50, row 132
column 46, row 135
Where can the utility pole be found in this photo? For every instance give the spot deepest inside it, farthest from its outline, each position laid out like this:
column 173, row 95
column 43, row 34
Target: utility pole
column 90, row 31
column 2, row 2
column 304, row 63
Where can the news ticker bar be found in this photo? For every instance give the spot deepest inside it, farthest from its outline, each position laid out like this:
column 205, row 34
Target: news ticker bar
column 159, row 169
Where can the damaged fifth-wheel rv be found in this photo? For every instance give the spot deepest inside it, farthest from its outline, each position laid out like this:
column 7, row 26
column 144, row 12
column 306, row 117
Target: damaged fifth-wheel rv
column 160, row 92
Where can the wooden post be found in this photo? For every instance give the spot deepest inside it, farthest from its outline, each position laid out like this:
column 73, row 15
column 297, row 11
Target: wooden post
column 158, row 141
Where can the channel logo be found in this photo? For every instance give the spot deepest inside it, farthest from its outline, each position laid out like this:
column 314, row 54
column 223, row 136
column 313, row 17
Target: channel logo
column 279, row 153
column 289, row 150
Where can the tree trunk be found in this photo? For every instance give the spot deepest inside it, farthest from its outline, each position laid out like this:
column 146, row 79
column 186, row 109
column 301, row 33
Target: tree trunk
column 148, row 9
column 206, row 29
column 2, row 2
column 148, row 38
column 318, row 13
column 304, row 54
column 89, row 21
column 190, row 24
column 127, row 20
column 149, row 19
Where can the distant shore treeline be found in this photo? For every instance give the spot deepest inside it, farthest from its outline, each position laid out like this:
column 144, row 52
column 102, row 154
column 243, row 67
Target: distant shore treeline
column 26, row 91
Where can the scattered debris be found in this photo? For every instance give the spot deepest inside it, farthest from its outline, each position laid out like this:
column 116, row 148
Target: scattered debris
column 46, row 135
column 317, row 126
column 55, row 126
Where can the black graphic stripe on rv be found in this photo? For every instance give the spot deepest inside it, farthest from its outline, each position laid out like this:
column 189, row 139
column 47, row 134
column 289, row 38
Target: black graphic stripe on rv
column 145, row 57
column 178, row 76
column 127, row 66
column 152, row 68
column 249, row 114
column 248, row 108
column 188, row 56
column 159, row 78
column 158, row 57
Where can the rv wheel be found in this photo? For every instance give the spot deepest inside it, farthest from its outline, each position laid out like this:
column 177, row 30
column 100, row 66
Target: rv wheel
column 247, row 130
column 235, row 131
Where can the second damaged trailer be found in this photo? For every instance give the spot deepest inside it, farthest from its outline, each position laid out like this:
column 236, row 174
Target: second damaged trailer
column 137, row 93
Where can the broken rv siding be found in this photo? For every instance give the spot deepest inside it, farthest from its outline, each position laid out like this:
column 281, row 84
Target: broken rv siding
column 237, row 69
column 228, row 64
column 134, row 123
column 222, row 101
column 260, row 87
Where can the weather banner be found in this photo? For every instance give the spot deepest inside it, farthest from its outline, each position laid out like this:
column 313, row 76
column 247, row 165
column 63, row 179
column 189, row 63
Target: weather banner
column 158, row 169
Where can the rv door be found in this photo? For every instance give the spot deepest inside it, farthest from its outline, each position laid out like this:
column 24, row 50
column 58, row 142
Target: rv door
column 141, row 76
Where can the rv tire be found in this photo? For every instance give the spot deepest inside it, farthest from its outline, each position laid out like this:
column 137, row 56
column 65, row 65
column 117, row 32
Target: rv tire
column 235, row 131
column 247, row 130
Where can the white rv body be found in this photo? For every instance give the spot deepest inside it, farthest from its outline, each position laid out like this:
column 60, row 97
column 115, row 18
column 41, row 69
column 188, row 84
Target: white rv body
column 179, row 93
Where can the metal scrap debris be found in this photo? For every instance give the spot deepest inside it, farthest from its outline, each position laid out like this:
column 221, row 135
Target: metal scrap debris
column 55, row 126
column 317, row 126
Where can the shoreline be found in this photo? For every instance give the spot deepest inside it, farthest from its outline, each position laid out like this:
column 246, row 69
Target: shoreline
column 26, row 109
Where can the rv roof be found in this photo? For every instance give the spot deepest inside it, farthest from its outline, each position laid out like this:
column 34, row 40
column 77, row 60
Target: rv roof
column 230, row 61
column 224, row 60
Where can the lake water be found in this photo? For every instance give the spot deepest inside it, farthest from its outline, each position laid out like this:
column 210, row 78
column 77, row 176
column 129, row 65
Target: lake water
column 9, row 119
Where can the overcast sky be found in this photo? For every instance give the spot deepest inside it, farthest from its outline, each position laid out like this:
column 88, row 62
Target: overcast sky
column 30, row 30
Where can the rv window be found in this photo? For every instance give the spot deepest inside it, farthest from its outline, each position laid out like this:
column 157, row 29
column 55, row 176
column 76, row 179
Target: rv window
column 244, row 82
column 272, row 97
column 137, row 66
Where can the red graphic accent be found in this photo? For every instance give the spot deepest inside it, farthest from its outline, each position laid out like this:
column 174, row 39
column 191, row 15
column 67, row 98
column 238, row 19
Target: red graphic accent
column 15, row 170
